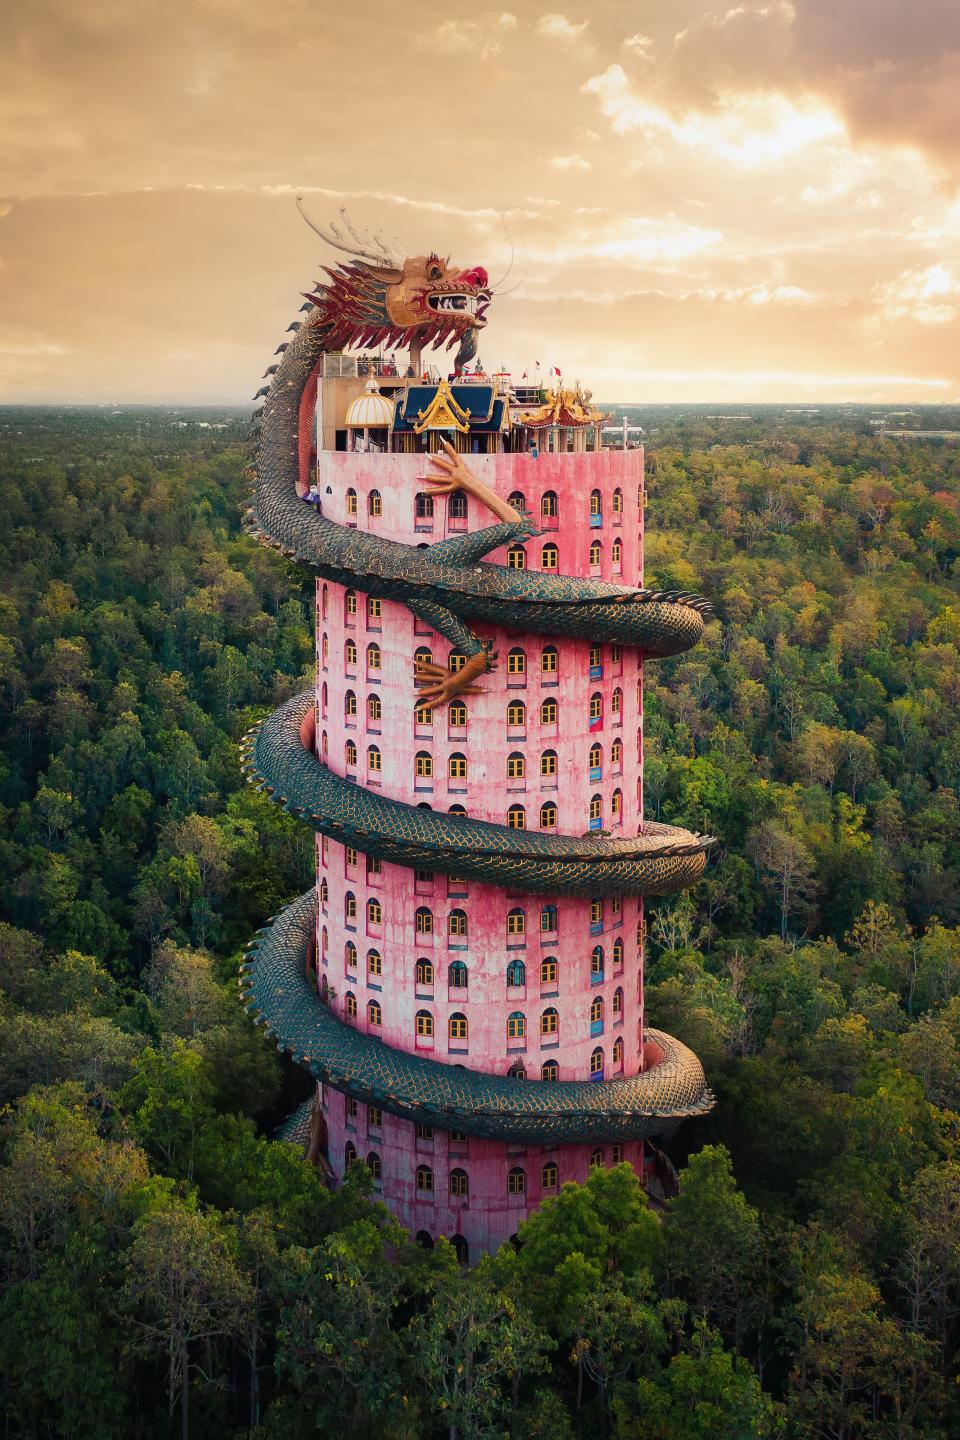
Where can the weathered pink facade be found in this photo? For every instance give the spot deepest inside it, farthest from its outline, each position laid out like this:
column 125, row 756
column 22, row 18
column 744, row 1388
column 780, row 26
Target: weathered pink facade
column 469, row 974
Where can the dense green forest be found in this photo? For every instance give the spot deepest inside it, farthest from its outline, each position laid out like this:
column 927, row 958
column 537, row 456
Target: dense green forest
column 164, row 1266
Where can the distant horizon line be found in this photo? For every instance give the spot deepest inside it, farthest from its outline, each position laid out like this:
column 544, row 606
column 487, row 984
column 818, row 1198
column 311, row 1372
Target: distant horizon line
column 245, row 406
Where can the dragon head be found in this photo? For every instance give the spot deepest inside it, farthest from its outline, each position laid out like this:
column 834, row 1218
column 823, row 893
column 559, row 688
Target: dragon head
column 380, row 300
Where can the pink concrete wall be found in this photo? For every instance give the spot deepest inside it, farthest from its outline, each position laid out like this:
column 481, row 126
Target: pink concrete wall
column 389, row 936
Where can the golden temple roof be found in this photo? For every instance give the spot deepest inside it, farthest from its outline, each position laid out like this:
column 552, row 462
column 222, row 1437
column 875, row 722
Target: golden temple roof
column 569, row 408
column 442, row 413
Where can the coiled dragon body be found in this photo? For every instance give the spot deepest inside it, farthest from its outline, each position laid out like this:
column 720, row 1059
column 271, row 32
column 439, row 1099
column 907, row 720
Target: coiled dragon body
column 450, row 587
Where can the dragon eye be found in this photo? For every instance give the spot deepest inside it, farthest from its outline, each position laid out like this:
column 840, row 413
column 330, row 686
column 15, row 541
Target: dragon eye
column 434, row 272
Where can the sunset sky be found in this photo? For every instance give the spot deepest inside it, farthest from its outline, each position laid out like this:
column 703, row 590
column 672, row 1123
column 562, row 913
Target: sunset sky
column 754, row 202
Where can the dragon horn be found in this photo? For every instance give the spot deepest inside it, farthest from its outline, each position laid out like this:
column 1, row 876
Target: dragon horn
column 365, row 247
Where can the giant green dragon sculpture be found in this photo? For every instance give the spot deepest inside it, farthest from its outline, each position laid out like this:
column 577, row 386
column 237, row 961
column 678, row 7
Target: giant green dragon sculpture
column 375, row 301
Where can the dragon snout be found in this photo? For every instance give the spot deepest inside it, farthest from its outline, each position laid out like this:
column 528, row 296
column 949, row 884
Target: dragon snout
column 477, row 277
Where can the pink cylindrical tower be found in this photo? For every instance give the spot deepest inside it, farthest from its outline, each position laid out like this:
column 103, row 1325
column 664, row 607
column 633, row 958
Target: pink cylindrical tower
column 467, row 974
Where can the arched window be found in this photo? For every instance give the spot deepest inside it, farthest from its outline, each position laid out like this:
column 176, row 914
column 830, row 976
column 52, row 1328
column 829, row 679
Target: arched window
column 548, row 918
column 350, row 754
column 424, row 972
column 350, row 955
column 549, row 557
column 349, row 1155
column 596, row 1015
column 517, row 817
column 349, row 606
column 596, row 963
column 516, row 1025
column 618, row 1053
column 424, row 1024
column 423, row 714
column 324, row 602
column 457, row 506
column 517, row 1181
column 457, row 1027
column 374, row 504
column 596, row 1158
column 548, row 763
column 516, row 661
column 457, row 975
column 596, row 758
column 548, row 971
column 549, row 1021
column 350, row 906
column 616, row 755
column 459, row 1184
column 517, row 499
column 375, row 1166
column 423, row 507
column 374, row 911
column 596, row 661
column 423, row 654
column 460, row 1247
column 457, row 715
column 516, row 922
column 456, row 810
column 596, row 503
column 457, row 766
column 596, row 1062
column 549, row 508
column 373, row 658
column 549, row 712
column 350, row 1005
column 549, row 1176
column 616, row 806
column 596, row 812
column 616, row 703
column 517, row 1070
column 324, row 892
column 457, row 925
column 374, row 964
column 550, row 1070
column 516, row 715
column 425, row 1179
column 548, row 816
column 350, row 655
column 596, row 553
column 374, row 1013
column 374, row 610
column 549, row 660
column 618, row 953
column 351, row 501
column 324, row 695
column 618, row 1003
column 516, row 973
column 616, row 553
column 424, row 1239
column 456, row 661
column 516, row 766
column 516, row 558
column 323, row 747
column 596, row 708
column 618, row 501
column 423, row 920
column 349, row 705
column 374, row 759
column 423, row 764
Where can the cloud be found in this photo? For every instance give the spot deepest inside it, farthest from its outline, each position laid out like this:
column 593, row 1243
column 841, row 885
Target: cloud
column 930, row 296
column 570, row 162
column 639, row 45
column 508, row 21
column 560, row 28
column 461, row 37
column 751, row 129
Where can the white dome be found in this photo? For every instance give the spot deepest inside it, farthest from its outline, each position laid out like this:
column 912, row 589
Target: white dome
column 371, row 410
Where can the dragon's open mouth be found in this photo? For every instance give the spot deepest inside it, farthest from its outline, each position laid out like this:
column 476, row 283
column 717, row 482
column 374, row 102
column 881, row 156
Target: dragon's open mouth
column 461, row 302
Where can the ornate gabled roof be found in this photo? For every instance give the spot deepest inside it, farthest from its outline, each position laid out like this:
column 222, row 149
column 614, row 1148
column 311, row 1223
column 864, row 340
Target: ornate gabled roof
column 569, row 408
column 443, row 412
